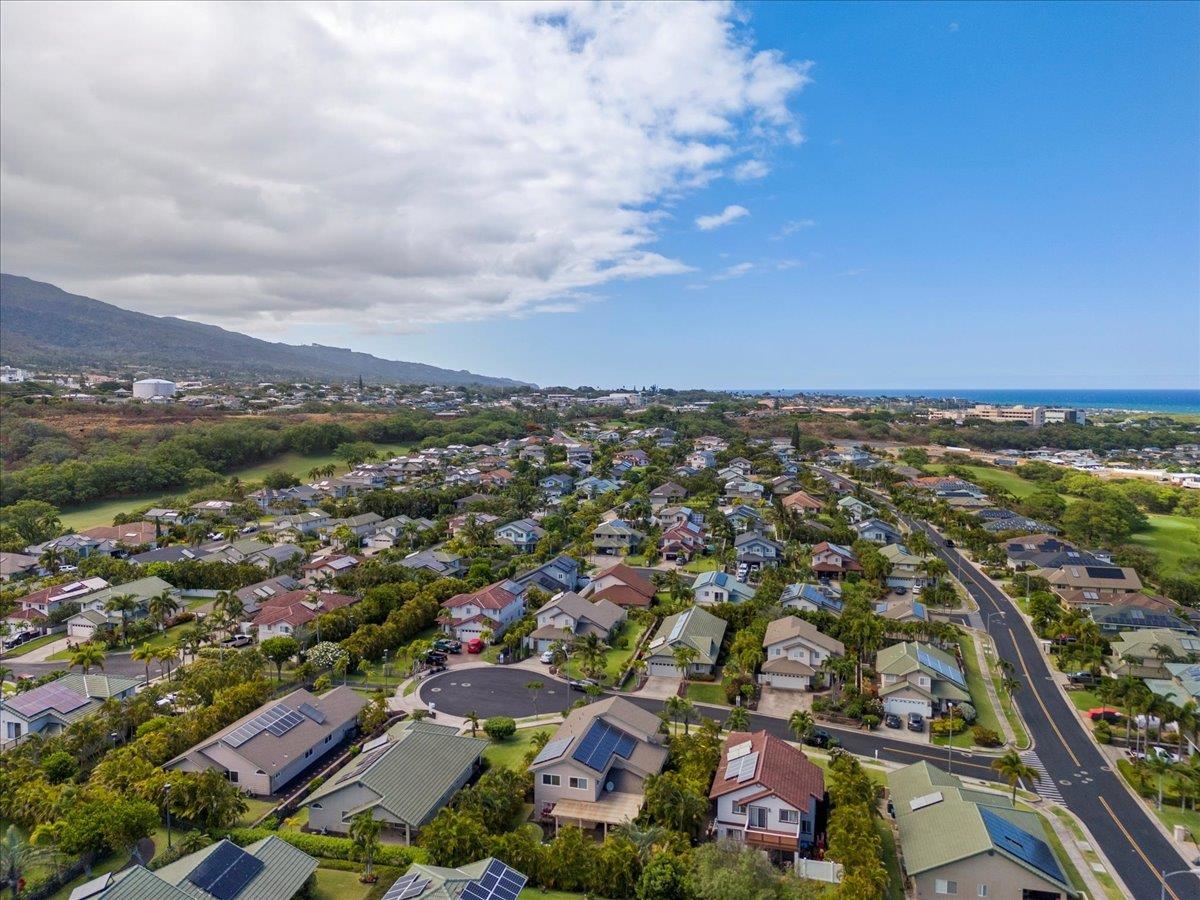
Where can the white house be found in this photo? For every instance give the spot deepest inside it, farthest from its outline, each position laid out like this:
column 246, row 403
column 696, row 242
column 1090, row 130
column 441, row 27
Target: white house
column 795, row 651
column 711, row 588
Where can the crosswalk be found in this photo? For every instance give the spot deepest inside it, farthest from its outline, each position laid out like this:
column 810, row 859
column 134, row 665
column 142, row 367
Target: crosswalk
column 1044, row 785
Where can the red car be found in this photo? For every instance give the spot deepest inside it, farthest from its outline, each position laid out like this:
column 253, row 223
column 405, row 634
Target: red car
column 475, row 645
column 1107, row 713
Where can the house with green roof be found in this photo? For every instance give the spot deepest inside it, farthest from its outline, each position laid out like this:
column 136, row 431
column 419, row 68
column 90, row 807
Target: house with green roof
column 958, row 841
column 920, row 678
column 491, row 877
column 1181, row 685
column 50, row 708
column 1145, row 652
column 403, row 778
column 695, row 628
column 93, row 615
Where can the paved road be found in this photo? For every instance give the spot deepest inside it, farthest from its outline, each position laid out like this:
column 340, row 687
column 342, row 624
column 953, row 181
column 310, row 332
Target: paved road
column 1080, row 773
column 501, row 691
column 115, row 664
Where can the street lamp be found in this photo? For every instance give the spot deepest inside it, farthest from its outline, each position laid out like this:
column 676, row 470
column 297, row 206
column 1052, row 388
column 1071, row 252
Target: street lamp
column 994, row 612
column 950, row 740
column 1194, row 870
column 385, row 669
column 167, row 806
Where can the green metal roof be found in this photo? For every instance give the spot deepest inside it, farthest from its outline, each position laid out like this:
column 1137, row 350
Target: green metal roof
column 284, row 871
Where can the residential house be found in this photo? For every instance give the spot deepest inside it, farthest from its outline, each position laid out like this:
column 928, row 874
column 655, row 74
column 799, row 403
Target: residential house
column 680, row 543
column 795, row 651
column 488, row 878
column 1104, row 579
column 621, row 585
column 213, row 509
column 756, row 551
column 592, row 486
column 714, row 587
column 497, row 478
column 460, row 522
column 636, row 458
column 907, row 570
column 744, row 518
column 877, row 531
column 1181, row 684
column 93, row 613
column 523, row 534
column 35, row 607
column 768, row 795
column 357, row 527
column 744, row 490
column 266, row 868
column 666, row 494
column 812, row 597
column 133, row 534
column 267, row 749
column 967, row 842
column 856, row 509
column 464, row 503
column 253, row 595
column 279, row 500
column 310, row 521
column 593, row 770
column 568, row 617
column 833, row 561
column 294, row 613
column 16, row 565
column 1043, row 551
column 702, row 459
column 1117, row 617
column 403, row 777
column 694, row 628
column 168, row 517
column 616, row 537
column 1145, row 652
column 557, row 485
column 326, row 568
column 441, row 563
column 916, row 677
column 909, row 609
column 491, row 609
column 803, row 503
column 559, row 574
column 51, row 708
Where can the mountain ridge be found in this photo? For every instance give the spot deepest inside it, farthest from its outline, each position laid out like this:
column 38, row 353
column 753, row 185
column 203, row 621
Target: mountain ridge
column 43, row 326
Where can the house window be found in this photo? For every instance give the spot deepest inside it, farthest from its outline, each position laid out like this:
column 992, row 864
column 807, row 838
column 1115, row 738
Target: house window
column 806, row 827
column 789, row 816
column 758, row 817
column 552, row 780
column 308, row 753
column 923, row 681
column 579, row 784
column 944, row 887
column 14, row 730
column 739, row 809
column 983, row 890
column 233, row 776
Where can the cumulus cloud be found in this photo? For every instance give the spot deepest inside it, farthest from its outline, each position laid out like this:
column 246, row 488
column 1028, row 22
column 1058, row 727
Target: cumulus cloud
column 721, row 219
column 750, row 170
column 735, row 271
column 396, row 165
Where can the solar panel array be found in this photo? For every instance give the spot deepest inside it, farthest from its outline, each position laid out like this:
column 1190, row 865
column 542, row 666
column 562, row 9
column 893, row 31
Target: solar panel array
column 364, row 762
column 742, row 768
column 1022, row 844
column 600, row 743
column 313, row 713
column 552, row 750
column 944, row 669
column 739, row 750
column 278, row 720
column 48, row 696
column 680, row 624
column 1104, row 572
column 499, row 882
column 226, row 871
column 407, row 887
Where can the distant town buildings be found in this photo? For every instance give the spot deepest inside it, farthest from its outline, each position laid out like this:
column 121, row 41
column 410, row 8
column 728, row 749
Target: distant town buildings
column 150, row 388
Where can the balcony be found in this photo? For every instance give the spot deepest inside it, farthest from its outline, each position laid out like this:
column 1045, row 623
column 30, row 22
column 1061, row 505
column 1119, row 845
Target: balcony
column 772, row 840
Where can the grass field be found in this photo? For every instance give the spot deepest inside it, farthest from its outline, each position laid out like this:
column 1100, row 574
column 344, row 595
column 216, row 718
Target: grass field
column 706, row 692
column 615, row 660
column 986, row 713
column 1010, row 481
column 511, row 753
column 1172, row 539
column 334, row 884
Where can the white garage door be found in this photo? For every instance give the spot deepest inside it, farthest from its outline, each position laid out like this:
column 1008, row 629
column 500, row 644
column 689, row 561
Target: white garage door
column 669, row 669
column 902, row 706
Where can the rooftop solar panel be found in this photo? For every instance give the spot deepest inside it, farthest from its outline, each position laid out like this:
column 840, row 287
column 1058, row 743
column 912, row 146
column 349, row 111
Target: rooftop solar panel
column 225, row 871
column 313, row 713
column 407, row 887
column 942, row 668
column 499, row 882
column 48, row 696
column 599, row 744
column 552, row 750
column 1023, row 845
column 1104, row 572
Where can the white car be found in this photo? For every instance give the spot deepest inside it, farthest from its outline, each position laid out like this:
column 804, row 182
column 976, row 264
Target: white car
column 547, row 656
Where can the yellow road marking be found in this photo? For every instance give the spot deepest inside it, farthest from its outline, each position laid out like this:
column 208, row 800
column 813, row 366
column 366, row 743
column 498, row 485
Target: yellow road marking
column 1038, row 698
column 929, row 756
column 1133, row 843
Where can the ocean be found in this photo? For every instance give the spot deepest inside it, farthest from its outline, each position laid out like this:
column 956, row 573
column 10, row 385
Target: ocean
column 1173, row 401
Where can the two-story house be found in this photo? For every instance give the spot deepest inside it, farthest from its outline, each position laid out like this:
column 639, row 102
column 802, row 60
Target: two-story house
column 711, row 588
column 803, row 503
column 744, row 518
column 803, row 596
column 308, row 522
column 666, row 494
column 523, row 534
column 593, row 770
column 621, row 585
column 833, row 561
column 756, row 551
column 616, row 537
column 558, row 485
column 681, row 542
column 695, row 628
column 94, row 613
column 907, row 569
column 568, row 617
column 877, row 531
column 491, row 609
column 768, row 795
column 559, row 574
column 293, row 614
column 916, row 677
column 856, row 509
column 34, row 608
column 795, row 651
column 744, row 489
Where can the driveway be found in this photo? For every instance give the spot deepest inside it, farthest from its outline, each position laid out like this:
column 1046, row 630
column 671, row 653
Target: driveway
column 659, row 687
column 781, row 704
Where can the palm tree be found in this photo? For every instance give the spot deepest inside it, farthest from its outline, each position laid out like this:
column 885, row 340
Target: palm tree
column 589, row 651
column 123, row 604
column 800, row 723
column 88, row 656
column 49, row 560
column 1012, row 769
column 645, row 839
column 162, row 606
column 232, row 608
column 364, row 833
column 534, row 687
column 16, row 856
column 684, row 656
column 1187, row 720
column 738, row 719
column 473, row 718
column 166, row 659
column 145, row 654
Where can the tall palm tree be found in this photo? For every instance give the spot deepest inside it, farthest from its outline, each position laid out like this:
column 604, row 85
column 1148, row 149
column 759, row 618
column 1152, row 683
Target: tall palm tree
column 162, row 606
column 738, row 719
column 147, row 654
column 364, row 833
column 684, row 655
column 49, row 560
column 1187, row 720
column 1012, row 769
column 473, row 718
column 800, row 723
column 534, row 687
column 589, row 651
column 88, row 656
column 166, row 657
column 123, row 604
column 231, row 607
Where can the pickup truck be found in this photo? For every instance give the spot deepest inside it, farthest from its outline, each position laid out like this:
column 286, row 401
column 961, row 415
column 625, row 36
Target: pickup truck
column 238, row 640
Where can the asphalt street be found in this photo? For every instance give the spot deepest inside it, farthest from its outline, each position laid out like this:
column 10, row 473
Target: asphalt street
column 1089, row 787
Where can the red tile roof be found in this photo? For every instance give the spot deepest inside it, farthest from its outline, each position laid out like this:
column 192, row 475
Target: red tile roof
column 494, row 596
column 631, row 578
column 297, row 607
column 782, row 769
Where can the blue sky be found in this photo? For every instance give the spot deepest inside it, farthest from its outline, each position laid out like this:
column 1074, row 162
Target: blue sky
column 1001, row 195
column 986, row 195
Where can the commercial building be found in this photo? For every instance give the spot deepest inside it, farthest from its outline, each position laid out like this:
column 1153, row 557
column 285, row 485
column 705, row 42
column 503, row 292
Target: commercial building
column 150, row 388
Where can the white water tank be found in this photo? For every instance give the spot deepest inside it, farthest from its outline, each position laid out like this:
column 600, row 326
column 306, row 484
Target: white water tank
column 148, row 388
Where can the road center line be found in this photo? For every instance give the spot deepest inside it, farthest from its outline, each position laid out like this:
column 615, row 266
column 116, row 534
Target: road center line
column 1138, row 849
column 1038, row 697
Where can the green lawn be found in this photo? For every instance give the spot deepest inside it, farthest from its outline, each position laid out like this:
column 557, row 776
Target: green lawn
column 616, row 660
column 34, row 644
column 701, row 564
column 1084, row 700
column 707, row 692
column 255, row 810
column 1172, row 539
column 895, row 888
column 300, row 465
column 511, row 753
column 334, row 884
column 975, row 683
column 1170, row 814
column 92, row 514
column 1005, row 478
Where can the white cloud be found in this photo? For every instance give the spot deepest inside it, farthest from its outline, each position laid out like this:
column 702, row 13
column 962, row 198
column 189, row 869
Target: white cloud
column 736, row 271
column 953, row 27
column 784, row 264
column 795, row 225
column 751, row 170
column 721, row 219
column 265, row 166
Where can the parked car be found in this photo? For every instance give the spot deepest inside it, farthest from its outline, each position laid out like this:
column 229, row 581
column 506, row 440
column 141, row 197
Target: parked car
column 435, row 656
column 916, row 722
column 1083, row 679
column 582, row 684
column 891, row 720
column 238, row 640
column 1107, row 713
column 949, row 543
column 446, row 645
column 818, row 737
column 900, row 591
column 547, row 657
column 475, row 645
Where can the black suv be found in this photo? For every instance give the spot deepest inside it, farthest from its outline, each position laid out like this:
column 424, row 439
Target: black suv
column 445, row 645
column 435, row 657
column 891, row 720
column 818, row 737
column 916, row 722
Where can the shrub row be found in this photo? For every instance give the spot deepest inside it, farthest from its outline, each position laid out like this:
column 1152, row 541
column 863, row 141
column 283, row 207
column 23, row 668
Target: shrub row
column 330, row 847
